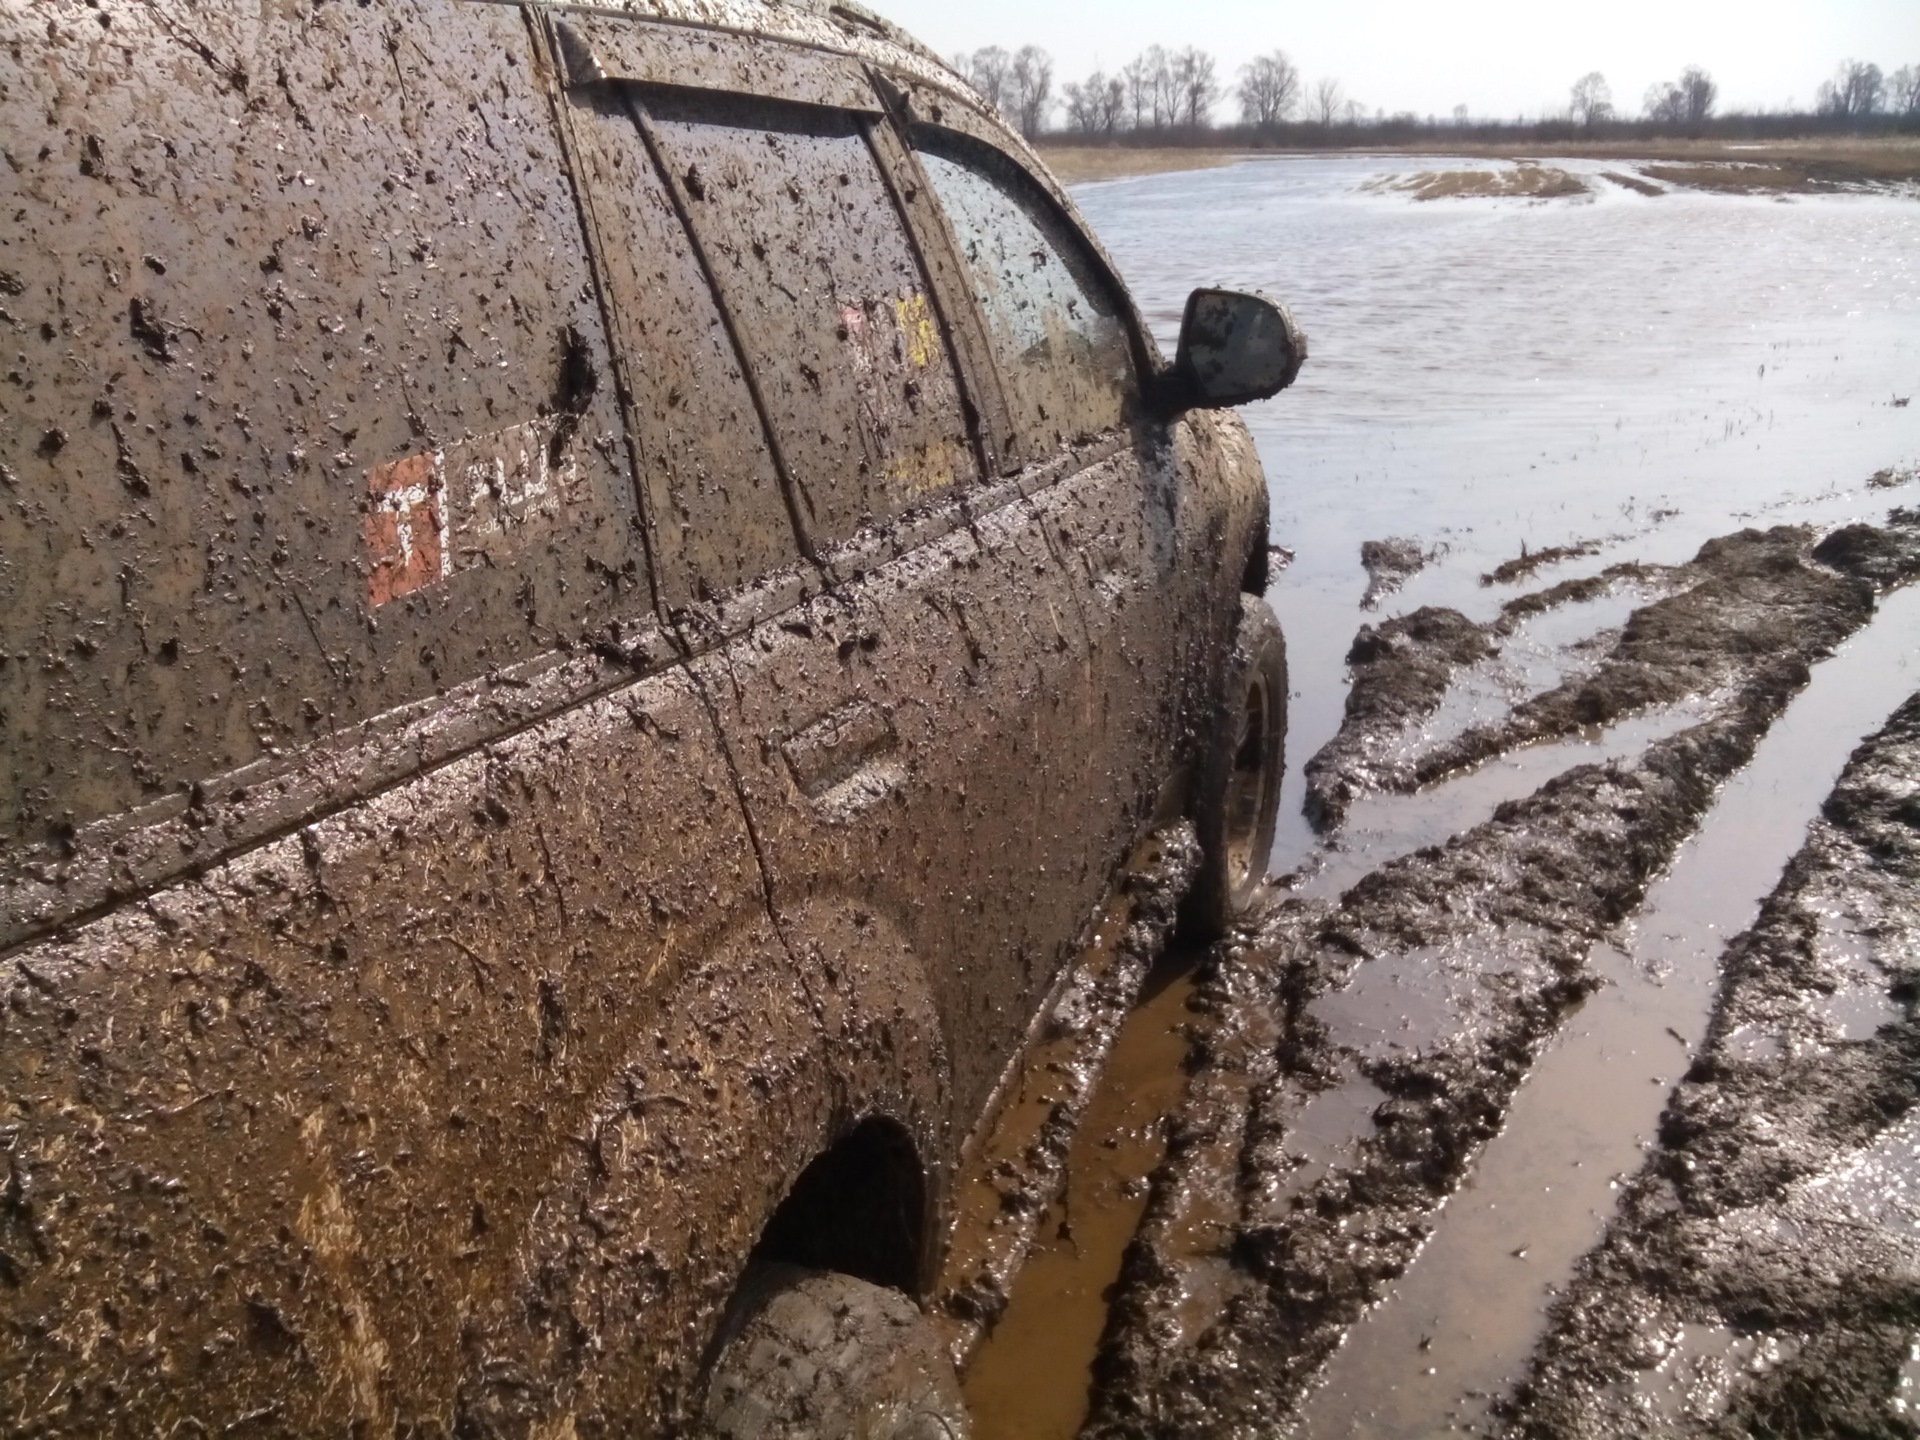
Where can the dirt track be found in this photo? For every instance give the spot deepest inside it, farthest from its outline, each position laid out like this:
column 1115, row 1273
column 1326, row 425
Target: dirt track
column 1351, row 1057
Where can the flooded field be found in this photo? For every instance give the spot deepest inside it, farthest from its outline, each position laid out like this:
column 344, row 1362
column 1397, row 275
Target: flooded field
column 1487, row 376
column 1616, row 379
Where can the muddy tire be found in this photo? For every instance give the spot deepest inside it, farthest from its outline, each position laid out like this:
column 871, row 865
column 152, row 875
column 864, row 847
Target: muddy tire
column 815, row 1355
column 1237, row 799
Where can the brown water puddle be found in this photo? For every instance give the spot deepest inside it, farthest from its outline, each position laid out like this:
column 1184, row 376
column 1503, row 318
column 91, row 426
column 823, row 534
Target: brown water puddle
column 1029, row 1378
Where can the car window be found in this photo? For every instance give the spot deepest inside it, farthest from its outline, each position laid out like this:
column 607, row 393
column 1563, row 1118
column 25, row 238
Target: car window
column 716, row 506
column 833, row 308
column 1063, row 348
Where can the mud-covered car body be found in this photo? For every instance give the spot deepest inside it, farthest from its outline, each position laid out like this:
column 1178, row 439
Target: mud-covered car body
column 593, row 601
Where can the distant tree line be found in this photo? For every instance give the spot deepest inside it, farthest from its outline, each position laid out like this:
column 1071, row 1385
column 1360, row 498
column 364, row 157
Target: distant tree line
column 1172, row 97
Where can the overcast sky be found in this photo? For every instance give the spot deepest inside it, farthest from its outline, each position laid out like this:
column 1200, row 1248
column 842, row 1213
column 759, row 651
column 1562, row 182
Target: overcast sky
column 1497, row 57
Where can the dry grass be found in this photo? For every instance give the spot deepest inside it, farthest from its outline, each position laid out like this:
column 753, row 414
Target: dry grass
column 1789, row 176
column 1744, row 167
column 1524, row 181
column 1077, row 164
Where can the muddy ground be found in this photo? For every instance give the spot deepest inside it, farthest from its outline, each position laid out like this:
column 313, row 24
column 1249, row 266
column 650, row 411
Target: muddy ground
column 1350, row 1056
column 1763, row 1274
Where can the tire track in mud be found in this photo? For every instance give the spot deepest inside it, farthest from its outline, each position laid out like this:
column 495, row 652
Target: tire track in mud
column 1455, row 1334
column 1350, row 1058
column 1762, row 1275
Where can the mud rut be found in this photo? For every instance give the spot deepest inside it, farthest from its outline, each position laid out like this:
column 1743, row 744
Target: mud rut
column 1485, row 1125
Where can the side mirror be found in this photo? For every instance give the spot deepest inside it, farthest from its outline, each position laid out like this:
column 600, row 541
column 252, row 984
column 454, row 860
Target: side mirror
column 1235, row 348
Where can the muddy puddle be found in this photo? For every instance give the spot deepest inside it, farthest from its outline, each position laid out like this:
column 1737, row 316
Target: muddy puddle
column 1601, row 379
column 1620, row 376
column 1030, row 1380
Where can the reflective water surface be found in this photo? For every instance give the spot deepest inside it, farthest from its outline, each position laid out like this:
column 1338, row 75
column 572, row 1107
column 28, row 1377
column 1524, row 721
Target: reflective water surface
column 1644, row 372
column 1624, row 374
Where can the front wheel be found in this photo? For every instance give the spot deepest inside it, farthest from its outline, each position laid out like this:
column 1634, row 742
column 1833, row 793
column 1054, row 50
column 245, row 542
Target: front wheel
column 1237, row 804
column 817, row 1355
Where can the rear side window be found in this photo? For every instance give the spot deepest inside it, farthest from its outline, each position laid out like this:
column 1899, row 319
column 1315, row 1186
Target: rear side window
column 718, row 510
column 1063, row 349
column 832, row 305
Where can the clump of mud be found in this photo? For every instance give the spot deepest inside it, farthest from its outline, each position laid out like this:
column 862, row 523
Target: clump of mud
column 1351, row 1058
column 1763, row 1274
column 1528, row 561
column 1389, row 564
column 1525, row 179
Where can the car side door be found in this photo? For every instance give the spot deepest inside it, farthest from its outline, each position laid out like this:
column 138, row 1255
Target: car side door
column 899, row 704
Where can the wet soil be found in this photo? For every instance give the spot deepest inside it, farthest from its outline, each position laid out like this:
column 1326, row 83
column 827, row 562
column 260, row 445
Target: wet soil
column 1763, row 1273
column 1353, row 1056
column 1525, row 180
column 1741, row 599
column 1389, row 564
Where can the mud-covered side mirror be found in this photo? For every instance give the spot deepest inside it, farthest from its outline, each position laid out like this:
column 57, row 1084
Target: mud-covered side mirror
column 1235, row 348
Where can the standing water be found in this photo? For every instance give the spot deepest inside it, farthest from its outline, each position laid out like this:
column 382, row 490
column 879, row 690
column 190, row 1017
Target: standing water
column 1486, row 375
column 1629, row 374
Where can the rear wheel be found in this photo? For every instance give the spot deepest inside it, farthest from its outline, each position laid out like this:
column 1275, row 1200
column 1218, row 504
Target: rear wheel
column 1238, row 801
column 816, row 1355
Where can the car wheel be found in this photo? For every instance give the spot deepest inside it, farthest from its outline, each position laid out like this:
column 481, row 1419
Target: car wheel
column 815, row 1355
column 1238, row 797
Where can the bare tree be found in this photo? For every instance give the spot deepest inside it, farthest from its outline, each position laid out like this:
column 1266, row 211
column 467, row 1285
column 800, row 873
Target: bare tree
column 1149, row 82
column 1461, row 115
column 1856, row 90
column 1083, row 108
column 1269, row 89
column 1113, row 106
column 1903, row 91
column 1196, row 80
column 1687, row 101
column 1323, row 106
column 990, row 71
column 1592, row 99
column 1030, row 83
column 1699, row 92
column 1097, row 105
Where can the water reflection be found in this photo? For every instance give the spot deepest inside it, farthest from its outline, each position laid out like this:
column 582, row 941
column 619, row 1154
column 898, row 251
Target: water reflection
column 1508, row 373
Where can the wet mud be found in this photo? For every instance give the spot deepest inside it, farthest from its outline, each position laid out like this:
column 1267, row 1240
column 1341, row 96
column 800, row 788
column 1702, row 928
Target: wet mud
column 1353, row 1054
column 1389, row 564
column 1740, row 604
column 1763, row 1273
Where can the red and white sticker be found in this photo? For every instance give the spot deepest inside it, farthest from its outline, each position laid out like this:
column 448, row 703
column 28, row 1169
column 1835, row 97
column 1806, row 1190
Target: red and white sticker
column 432, row 515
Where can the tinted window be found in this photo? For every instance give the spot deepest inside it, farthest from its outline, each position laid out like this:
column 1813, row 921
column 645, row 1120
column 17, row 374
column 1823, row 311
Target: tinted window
column 1063, row 348
column 833, row 308
column 715, row 501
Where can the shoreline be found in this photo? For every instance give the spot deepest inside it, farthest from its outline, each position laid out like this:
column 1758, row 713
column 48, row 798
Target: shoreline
column 1800, row 165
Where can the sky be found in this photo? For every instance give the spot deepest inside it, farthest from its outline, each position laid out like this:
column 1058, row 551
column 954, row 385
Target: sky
column 1499, row 58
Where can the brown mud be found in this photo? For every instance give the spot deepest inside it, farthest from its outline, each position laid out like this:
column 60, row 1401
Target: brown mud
column 1389, row 564
column 1742, row 599
column 1763, row 1273
column 1525, row 180
column 1352, row 1057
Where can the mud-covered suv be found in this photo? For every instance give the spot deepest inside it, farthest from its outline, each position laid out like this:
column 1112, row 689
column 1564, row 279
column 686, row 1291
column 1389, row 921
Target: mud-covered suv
column 592, row 602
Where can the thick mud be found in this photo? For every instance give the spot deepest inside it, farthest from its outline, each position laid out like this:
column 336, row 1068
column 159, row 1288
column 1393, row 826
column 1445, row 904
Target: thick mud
column 1763, row 1273
column 1354, row 1055
column 1741, row 599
